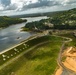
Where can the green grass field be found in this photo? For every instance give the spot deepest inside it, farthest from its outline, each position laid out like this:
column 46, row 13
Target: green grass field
column 40, row 61
column 12, row 53
column 70, row 35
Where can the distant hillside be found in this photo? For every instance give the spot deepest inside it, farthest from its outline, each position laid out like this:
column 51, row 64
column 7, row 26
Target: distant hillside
column 64, row 20
column 59, row 20
column 7, row 21
column 27, row 15
column 35, row 14
column 37, row 25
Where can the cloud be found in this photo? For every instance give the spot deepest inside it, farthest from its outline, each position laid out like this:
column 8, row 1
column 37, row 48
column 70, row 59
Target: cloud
column 20, row 5
column 66, row 2
column 11, row 7
column 1, row 7
column 5, row 2
column 40, row 4
column 25, row 5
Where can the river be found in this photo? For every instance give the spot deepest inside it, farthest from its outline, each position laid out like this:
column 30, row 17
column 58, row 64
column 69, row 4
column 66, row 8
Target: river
column 9, row 36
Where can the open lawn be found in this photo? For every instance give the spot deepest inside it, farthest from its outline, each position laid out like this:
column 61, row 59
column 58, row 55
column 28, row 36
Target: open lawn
column 40, row 61
column 70, row 35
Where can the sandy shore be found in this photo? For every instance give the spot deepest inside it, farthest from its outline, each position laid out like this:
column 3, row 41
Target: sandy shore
column 70, row 61
column 59, row 71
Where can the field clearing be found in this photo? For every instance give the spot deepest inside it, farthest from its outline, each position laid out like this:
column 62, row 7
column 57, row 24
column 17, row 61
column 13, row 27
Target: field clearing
column 40, row 61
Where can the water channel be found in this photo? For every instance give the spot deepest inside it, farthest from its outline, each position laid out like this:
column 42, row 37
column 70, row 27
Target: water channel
column 12, row 35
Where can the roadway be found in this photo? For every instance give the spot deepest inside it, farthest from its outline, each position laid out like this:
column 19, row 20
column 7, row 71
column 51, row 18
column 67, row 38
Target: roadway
column 66, row 71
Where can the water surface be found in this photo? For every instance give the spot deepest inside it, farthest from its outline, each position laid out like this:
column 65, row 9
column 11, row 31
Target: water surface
column 12, row 35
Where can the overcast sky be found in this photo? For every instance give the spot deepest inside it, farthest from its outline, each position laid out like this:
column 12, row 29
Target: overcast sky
column 14, row 7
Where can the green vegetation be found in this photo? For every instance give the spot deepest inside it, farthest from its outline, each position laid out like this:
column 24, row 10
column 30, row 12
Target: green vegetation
column 29, row 44
column 42, row 59
column 37, row 25
column 60, row 20
column 64, row 20
column 70, row 35
column 24, row 29
column 7, row 21
column 39, row 61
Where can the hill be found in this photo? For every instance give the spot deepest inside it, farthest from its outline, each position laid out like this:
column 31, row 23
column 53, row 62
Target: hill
column 59, row 20
column 64, row 20
column 7, row 21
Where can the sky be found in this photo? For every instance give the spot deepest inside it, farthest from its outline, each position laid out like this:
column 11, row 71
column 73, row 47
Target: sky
column 16, row 7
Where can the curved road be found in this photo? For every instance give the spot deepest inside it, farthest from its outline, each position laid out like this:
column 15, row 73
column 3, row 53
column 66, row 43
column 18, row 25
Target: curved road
column 66, row 71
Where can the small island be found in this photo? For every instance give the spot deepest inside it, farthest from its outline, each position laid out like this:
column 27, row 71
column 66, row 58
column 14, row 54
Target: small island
column 6, row 21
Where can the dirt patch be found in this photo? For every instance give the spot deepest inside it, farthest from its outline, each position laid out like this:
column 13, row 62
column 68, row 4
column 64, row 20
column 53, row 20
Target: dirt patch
column 70, row 61
column 59, row 71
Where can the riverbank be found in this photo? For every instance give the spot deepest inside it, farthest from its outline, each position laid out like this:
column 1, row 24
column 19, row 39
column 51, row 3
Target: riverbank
column 22, row 46
column 23, row 29
column 42, row 52
column 13, row 32
column 6, row 21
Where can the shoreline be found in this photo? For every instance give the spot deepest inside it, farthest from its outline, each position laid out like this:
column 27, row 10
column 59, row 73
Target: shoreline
column 11, row 25
column 5, row 29
column 33, row 36
column 14, row 46
column 2, row 28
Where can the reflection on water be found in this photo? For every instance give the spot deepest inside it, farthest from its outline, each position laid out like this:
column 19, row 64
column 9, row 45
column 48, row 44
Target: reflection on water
column 11, row 36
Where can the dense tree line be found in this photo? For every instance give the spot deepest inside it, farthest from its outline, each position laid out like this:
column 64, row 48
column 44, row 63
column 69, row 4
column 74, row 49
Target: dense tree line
column 7, row 21
column 64, row 20
column 60, row 20
column 37, row 25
